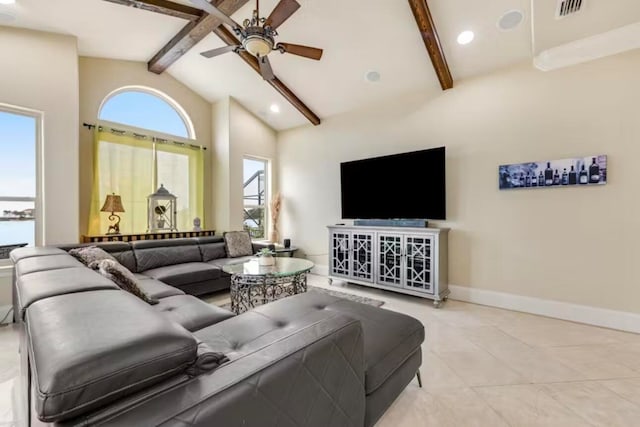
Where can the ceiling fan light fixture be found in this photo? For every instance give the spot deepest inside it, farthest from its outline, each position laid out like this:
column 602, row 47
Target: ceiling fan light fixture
column 257, row 46
column 465, row 37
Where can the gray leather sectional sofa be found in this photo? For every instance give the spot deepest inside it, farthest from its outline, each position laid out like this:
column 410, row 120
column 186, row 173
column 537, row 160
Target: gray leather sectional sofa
column 93, row 354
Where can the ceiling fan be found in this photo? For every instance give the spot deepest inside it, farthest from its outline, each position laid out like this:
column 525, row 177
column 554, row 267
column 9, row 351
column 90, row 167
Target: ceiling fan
column 257, row 35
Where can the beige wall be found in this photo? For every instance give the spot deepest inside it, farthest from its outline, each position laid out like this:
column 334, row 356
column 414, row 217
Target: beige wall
column 100, row 77
column 575, row 245
column 238, row 133
column 39, row 71
column 249, row 136
column 221, row 163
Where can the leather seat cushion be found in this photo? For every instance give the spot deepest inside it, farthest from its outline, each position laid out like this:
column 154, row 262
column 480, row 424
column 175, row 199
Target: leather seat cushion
column 156, row 289
column 46, row 284
column 101, row 346
column 252, row 331
column 22, row 253
column 50, row 262
column 190, row 312
column 184, row 274
column 389, row 337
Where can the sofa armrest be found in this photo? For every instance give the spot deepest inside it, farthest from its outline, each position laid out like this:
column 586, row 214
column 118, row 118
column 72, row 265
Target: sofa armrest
column 314, row 376
column 261, row 245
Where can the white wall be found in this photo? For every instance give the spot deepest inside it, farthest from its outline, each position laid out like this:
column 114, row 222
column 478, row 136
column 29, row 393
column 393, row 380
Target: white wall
column 221, row 163
column 237, row 133
column 576, row 245
column 40, row 72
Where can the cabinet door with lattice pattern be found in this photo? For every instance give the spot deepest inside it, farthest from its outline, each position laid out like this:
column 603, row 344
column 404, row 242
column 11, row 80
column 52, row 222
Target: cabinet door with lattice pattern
column 389, row 270
column 339, row 246
column 418, row 265
column 362, row 256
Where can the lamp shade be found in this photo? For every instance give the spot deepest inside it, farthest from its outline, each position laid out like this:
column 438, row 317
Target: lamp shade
column 113, row 203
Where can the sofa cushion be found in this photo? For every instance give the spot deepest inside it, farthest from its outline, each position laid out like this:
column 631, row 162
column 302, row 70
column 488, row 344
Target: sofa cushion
column 45, row 284
column 238, row 243
column 190, row 312
column 102, row 346
column 390, row 337
column 22, row 253
column 155, row 288
column 125, row 279
column 152, row 254
column 212, row 247
column 51, row 262
column 185, row 274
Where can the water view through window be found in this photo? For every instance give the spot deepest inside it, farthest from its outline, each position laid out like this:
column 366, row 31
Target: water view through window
column 17, row 180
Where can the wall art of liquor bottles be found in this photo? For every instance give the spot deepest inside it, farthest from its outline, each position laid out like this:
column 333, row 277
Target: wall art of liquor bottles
column 582, row 171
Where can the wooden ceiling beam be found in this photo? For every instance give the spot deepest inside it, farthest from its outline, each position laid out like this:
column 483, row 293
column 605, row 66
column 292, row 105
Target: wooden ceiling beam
column 190, row 35
column 164, row 7
column 230, row 39
column 429, row 35
column 200, row 24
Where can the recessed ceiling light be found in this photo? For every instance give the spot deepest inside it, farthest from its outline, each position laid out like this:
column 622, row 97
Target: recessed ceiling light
column 275, row 108
column 510, row 20
column 465, row 37
column 372, row 76
column 7, row 1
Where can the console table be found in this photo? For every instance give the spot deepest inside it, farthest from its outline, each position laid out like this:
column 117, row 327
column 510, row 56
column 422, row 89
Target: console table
column 145, row 236
column 401, row 259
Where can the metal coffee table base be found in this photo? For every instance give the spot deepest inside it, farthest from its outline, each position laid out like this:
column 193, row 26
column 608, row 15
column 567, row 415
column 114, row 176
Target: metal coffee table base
column 248, row 291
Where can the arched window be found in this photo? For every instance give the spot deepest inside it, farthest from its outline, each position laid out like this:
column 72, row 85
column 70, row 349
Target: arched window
column 146, row 108
column 144, row 140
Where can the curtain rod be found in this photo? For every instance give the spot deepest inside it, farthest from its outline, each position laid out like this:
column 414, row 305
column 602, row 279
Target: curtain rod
column 143, row 136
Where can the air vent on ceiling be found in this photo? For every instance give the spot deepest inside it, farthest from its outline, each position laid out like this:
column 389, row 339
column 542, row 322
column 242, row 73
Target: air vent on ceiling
column 568, row 7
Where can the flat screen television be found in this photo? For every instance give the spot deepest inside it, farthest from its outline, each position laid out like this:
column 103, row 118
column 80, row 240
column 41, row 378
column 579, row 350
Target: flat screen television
column 399, row 186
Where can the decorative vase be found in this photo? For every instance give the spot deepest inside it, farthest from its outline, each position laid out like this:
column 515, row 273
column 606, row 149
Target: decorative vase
column 266, row 260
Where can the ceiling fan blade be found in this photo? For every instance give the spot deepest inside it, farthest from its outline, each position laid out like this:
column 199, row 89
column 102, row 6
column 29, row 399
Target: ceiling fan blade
column 296, row 49
column 265, row 68
column 282, row 12
column 219, row 51
column 212, row 10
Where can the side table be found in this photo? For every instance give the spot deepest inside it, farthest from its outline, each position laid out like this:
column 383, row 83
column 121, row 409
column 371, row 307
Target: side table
column 281, row 251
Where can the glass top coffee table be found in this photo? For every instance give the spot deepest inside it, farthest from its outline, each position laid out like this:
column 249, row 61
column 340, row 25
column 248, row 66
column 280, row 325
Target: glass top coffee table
column 253, row 284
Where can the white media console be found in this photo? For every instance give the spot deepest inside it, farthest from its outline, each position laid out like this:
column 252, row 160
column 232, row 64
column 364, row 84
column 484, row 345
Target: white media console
column 400, row 259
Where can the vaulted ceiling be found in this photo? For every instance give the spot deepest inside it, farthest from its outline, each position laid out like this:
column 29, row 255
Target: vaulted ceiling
column 357, row 36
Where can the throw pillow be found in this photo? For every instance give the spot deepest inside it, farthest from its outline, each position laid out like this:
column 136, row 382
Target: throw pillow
column 91, row 255
column 238, row 243
column 125, row 279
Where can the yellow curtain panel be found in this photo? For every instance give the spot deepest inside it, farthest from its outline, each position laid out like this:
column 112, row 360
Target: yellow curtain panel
column 133, row 168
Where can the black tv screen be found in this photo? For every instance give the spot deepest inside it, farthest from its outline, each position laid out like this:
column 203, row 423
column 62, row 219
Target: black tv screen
column 400, row 186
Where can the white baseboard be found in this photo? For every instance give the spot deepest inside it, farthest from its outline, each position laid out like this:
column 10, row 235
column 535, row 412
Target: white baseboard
column 320, row 270
column 622, row 320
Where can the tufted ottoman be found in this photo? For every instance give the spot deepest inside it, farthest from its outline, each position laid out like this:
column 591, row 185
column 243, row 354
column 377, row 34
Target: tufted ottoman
column 392, row 340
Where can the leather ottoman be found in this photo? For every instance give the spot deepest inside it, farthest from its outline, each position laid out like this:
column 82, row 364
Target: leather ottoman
column 392, row 343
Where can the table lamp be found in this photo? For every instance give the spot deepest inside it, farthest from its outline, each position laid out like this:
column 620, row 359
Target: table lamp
column 113, row 204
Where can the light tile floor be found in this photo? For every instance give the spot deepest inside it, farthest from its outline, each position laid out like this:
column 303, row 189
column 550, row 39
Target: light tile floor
column 482, row 366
